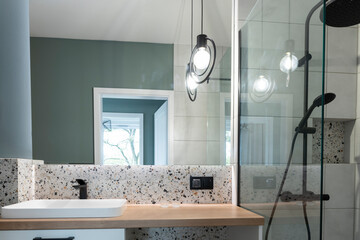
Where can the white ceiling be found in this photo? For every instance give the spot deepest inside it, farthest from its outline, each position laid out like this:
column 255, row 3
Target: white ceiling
column 156, row 21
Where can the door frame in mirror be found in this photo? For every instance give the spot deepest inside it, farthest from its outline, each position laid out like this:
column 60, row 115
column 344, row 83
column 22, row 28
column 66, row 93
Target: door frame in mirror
column 127, row 93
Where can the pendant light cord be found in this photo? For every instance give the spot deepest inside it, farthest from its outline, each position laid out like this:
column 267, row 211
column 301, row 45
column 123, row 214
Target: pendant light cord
column 192, row 24
column 202, row 16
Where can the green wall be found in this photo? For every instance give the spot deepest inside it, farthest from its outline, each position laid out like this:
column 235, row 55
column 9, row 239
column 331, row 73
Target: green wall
column 63, row 75
column 148, row 108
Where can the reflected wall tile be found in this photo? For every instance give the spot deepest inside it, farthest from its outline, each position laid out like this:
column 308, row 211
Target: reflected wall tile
column 342, row 50
column 300, row 9
column 357, row 185
column 344, row 86
column 297, row 33
column 214, row 129
column 357, row 143
column 190, row 152
column 213, row 105
column 358, row 90
column 179, row 79
column 276, row 11
column 184, row 107
column 190, row 128
column 339, row 184
column 275, row 36
column 250, row 10
column 213, row 154
column 181, row 55
column 251, row 44
column 357, row 225
column 338, row 224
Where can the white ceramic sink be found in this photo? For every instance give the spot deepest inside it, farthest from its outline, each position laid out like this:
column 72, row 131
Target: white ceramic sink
column 75, row 208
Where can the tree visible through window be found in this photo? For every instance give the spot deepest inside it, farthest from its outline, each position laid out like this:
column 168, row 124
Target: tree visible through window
column 122, row 139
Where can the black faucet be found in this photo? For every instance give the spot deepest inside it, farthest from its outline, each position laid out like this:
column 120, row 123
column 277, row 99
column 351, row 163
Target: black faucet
column 83, row 188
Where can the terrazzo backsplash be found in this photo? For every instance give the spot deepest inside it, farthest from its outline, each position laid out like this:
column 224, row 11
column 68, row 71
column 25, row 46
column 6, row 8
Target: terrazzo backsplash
column 16, row 180
column 23, row 180
column 334, row 140
column 138, row 184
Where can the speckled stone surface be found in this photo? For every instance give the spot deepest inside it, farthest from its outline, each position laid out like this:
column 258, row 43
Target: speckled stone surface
column 26, row 180
column 8, row 181
column 249, row 194
column 138, row 184
column 334, row 136
column 198, row 233
column 16, row 180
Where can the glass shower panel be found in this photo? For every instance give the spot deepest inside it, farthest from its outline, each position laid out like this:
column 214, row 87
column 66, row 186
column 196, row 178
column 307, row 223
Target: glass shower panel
column 272, row 104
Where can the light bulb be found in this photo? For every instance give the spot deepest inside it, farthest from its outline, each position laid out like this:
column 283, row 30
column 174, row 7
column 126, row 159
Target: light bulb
column 261, row 84
column 191, row 81
column 202, row 58
column 288, row 63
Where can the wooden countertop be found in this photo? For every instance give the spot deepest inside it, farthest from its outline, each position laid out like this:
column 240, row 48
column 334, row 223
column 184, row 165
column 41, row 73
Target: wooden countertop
column 148, row 216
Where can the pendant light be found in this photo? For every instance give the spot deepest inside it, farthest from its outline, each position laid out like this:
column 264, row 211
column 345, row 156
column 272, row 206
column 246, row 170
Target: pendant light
column 202, row 58
column 263, row 86
column 289, row 62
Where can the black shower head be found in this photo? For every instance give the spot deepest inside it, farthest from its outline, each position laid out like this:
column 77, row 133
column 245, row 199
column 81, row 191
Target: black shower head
column 328, row 97
column 341, row 13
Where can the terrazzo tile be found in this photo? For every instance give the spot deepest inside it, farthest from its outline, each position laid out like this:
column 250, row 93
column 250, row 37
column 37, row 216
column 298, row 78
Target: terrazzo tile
column 8, row 181
column 198, row 233
column 138, row 184
column 334, row 137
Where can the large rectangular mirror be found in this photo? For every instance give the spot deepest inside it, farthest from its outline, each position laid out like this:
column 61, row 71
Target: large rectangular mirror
column 108, row 82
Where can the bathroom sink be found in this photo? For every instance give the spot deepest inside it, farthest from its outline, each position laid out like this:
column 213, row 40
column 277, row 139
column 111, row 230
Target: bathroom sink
column 75, row 208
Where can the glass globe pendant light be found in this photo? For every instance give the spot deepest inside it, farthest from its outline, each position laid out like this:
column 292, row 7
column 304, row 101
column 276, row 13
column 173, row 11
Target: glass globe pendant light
column 202, row 59
column 262, row 88
column 191, row 84
column 288, row 64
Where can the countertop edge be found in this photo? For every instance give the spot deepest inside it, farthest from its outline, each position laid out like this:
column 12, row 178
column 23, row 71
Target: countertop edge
column 229, row 215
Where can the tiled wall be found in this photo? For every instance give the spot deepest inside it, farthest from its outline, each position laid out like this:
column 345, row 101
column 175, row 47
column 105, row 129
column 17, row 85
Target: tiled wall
column 199, row 134
column 338, row 215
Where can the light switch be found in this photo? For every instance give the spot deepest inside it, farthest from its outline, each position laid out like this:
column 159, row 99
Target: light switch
column 196, row 183
column 201, row 183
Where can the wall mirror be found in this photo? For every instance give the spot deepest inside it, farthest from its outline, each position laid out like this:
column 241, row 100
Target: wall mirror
column 108, row 82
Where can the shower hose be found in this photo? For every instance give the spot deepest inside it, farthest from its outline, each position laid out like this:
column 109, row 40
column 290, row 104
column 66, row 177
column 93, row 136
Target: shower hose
column 280, row 190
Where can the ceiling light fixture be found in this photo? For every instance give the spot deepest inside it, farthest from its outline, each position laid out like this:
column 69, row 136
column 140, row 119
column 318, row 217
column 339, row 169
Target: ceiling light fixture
column 202, row 59
column 289, row 62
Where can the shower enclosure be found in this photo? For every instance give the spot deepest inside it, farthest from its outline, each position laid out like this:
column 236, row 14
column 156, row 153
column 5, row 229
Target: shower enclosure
column 281, row 60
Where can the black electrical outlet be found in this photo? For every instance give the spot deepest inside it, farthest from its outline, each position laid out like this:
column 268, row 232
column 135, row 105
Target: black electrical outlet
column 197, row 183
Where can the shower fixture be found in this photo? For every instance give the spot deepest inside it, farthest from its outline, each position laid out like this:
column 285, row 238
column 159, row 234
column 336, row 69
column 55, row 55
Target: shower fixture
column 306, row 196
column 341, row 13
column 328, row 97
column 337, row 13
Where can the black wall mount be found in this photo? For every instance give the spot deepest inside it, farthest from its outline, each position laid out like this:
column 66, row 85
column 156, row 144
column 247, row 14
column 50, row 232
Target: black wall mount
column 197, row 183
